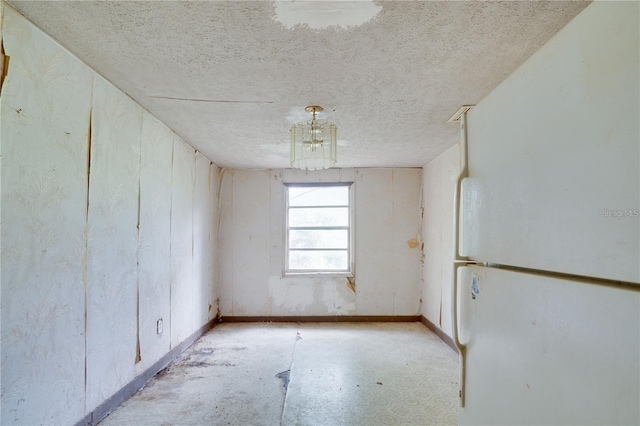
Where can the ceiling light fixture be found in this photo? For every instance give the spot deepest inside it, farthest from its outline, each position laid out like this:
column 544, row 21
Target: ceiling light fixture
column 314, row 143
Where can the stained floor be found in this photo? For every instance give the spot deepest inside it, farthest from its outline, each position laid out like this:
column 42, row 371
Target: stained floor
column 336, row 374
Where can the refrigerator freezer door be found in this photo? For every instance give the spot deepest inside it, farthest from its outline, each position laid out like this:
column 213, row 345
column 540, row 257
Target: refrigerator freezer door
column 548, row 351
column 554, row 154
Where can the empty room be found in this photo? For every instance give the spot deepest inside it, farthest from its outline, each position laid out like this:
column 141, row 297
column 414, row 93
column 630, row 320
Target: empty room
column 319, row 212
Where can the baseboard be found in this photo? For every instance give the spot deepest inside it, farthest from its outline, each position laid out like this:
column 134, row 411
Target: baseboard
column 325, row 318
column 441, row 334
column 102, row 410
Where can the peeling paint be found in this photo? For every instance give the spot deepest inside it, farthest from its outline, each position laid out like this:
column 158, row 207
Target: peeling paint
column 89, row 134
column 351, row 284
column 4, row 59
column 85, row 249
column 171, row 176
column 284, row 376
column 138, row 348
column 323, row 15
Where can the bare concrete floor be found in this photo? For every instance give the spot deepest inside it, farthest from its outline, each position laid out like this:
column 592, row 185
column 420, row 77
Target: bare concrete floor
column 337, row 374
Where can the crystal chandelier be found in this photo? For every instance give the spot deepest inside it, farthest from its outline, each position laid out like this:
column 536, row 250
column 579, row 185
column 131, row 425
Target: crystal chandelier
column 314, row 143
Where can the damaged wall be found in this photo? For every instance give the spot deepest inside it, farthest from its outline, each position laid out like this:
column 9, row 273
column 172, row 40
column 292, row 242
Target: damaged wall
column 387, row 270
column 439, row 183
column 107, row 226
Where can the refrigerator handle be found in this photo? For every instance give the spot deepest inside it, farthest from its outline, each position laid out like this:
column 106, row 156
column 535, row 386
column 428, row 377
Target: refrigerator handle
column 457, row 259
column 454, row 316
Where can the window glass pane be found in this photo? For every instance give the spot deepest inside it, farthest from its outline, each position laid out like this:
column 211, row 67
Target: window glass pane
column 318, row 195
column 299, row 238
column 329, row 216
column 318, row 260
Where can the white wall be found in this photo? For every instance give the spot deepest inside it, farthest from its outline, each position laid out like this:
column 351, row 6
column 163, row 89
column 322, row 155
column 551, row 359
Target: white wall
column 439, row 182
column 107, row 226
column 387, row 270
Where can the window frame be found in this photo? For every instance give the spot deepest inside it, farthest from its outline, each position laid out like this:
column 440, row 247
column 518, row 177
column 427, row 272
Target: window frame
column 349, row 272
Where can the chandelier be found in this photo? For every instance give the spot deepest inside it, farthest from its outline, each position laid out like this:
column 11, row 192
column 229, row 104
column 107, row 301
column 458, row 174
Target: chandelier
column 314, row 143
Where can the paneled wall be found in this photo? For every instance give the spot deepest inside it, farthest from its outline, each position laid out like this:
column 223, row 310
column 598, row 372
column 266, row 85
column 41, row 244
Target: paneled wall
column 112, row 241
column 46, row 110
column 107, row 227
column 387, row 269
column 437, row 232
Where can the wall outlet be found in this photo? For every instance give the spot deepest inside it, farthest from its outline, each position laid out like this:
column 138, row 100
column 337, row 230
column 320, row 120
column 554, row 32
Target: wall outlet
column 159, row 326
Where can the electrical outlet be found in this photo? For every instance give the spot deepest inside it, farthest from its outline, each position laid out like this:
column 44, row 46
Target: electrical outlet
column 159, row 326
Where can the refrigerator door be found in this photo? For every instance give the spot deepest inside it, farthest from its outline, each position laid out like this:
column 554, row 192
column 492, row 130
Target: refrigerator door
column 548, row 351
column 554, row 154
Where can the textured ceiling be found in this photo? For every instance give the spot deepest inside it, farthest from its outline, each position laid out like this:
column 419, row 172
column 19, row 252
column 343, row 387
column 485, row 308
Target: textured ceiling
column 231, row 77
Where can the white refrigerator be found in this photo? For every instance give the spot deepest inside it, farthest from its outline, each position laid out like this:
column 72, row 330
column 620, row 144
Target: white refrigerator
column 548, row 287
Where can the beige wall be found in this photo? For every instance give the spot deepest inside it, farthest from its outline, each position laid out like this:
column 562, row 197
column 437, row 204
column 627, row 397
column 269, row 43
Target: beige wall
column 439, row 182
column 387, row 270
column 107, row 226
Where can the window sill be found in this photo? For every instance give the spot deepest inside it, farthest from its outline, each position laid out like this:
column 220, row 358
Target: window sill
column 318, row 275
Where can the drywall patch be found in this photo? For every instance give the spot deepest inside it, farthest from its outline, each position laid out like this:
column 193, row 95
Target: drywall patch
column 344, row 298
column 310, row 295
column 324, row 14
column 290, row 294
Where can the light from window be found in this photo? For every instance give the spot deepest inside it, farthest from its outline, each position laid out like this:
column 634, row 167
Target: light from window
column 318, row 228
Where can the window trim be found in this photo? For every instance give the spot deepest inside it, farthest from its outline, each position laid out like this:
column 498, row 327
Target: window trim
column 350, row 229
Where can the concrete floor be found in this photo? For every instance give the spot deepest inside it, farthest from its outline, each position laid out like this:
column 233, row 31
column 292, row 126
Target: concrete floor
column 340, row 374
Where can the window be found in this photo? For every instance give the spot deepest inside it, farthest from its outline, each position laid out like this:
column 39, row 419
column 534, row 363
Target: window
column 318, row 229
